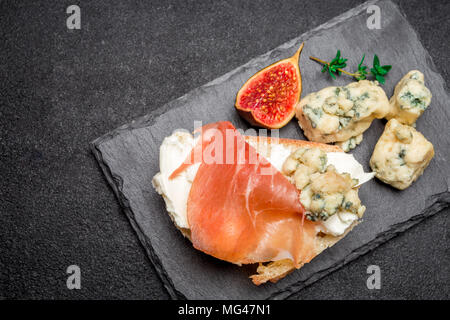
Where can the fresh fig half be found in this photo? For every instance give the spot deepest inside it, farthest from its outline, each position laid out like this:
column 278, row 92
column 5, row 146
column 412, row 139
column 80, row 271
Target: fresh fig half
column 268, row 98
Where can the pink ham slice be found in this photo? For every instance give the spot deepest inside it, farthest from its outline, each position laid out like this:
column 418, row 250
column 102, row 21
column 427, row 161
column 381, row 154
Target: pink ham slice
column 240, row 208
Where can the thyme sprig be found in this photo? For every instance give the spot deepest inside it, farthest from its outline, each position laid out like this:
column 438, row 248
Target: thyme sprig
column 379, row 71
column 361, row 74
column 337, row 65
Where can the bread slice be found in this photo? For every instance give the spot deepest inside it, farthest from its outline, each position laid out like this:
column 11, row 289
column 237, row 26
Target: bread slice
column 274, row 271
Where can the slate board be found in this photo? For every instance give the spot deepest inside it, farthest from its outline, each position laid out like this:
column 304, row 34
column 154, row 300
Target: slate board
column 129, row 158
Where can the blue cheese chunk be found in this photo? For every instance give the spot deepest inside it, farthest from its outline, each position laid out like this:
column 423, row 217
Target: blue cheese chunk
column 336, row 114
column 351, row 143
column 401, row 155
column 411, row 98
column 329, row 187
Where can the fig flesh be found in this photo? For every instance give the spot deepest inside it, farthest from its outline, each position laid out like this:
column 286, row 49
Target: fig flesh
column 269, row 97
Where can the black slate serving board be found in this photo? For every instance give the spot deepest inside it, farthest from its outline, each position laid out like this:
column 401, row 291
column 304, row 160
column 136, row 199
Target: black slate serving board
column 129, row 157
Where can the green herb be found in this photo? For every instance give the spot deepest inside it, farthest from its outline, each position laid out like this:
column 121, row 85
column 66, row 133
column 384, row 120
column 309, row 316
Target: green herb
column 361, row 73
column 379, row 71
column 337, row 65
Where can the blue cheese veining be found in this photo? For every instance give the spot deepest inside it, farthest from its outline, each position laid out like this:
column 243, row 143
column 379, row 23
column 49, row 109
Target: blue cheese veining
column 401, row 155
column 411, row 98
column 328, row 184
column 336, row 114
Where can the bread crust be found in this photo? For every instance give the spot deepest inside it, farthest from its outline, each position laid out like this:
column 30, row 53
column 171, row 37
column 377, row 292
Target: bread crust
column 292, row 143
column 276, row 270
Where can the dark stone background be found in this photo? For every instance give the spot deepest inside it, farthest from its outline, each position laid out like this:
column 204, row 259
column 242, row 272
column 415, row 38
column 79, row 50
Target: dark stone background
column 60, row 89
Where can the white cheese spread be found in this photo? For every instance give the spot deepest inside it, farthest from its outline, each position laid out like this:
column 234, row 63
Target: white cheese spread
column 173, row 151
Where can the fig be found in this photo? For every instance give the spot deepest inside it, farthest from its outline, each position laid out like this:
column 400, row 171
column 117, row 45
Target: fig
column 269, row 97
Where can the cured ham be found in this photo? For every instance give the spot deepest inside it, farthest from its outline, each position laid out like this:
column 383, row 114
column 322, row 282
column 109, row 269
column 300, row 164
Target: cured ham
column 240, row 208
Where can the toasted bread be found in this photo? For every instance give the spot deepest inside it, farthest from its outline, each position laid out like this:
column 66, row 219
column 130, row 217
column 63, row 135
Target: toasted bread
column 273, row 271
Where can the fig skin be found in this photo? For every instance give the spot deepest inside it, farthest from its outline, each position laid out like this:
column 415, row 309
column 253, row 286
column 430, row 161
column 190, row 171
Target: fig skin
column 248, row 114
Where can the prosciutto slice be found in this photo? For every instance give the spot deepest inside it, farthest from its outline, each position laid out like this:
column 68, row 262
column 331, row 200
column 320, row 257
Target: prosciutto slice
column 240, row 208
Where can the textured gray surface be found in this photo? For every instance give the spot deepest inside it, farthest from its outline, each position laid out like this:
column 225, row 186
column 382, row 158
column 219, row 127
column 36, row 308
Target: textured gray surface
column 129, row 157
column 61, row 89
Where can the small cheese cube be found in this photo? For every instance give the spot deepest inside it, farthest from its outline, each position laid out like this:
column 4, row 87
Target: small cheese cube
column 410, row 98
column 350, row 143
column 401, row 154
